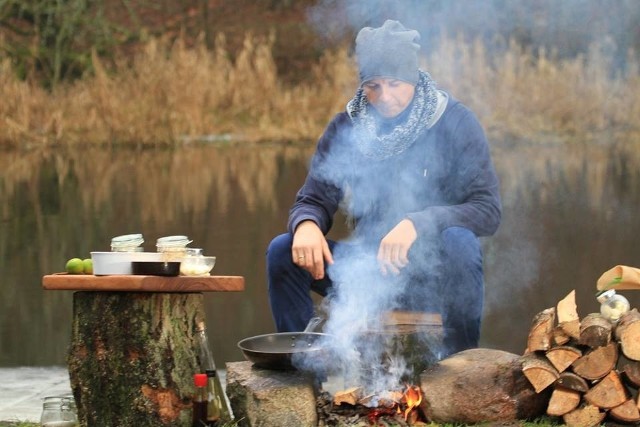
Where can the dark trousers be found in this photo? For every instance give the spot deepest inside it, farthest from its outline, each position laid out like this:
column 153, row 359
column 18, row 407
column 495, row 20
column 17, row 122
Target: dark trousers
column 451, row 283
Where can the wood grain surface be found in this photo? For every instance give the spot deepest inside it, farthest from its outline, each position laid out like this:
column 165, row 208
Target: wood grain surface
column 134, row 283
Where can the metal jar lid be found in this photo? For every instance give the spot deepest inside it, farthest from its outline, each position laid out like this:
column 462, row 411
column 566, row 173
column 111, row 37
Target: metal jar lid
column 173, row 241
column 605, row 295
column 127, row 240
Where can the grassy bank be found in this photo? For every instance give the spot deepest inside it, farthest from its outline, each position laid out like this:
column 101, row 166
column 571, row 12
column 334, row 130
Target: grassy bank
column 169, row 93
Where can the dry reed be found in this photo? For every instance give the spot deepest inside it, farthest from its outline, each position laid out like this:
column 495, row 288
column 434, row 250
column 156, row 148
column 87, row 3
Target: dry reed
column 170, row 93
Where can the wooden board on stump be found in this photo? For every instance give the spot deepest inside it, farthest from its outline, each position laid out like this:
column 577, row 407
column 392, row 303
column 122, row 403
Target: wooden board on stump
column 132, row 359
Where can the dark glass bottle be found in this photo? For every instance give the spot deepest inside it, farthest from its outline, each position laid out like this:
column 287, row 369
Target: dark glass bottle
column 217, row 403
column 199, row 418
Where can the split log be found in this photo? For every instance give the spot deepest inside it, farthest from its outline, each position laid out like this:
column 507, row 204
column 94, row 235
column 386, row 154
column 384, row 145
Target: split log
column 595, row 330
column 568, row 319
column 571, row 329
column 597, row 363
column 351, row 396
column 563, row 401
column 479, row 385
column 539, row 371
column 608, row 393
column 572, row 381
column 541, row 333
column 626, row 413
column 560, row 337
column 628, row 334
column 562, row 357
column 630, row 371
column 585, row 416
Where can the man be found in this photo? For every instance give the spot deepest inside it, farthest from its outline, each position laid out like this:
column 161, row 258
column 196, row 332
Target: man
column 411, row 167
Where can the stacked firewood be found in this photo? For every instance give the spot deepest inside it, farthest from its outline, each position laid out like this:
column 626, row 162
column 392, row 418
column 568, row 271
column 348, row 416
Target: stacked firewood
column 590, row 367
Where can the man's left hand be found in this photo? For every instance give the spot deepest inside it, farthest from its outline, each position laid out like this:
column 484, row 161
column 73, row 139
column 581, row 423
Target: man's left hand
column 394, row 247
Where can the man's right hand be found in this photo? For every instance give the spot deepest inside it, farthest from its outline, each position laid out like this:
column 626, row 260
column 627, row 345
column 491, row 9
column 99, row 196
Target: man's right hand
column 310, row 249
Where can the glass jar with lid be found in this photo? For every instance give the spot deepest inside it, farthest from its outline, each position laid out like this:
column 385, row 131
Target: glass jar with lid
column 612, row 305
column 173, row 248
column 59, row 411
column 127, row 243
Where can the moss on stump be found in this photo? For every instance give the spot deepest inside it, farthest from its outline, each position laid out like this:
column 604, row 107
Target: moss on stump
column 132, row 359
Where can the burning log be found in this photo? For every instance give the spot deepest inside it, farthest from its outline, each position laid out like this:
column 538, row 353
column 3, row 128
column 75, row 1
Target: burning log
column 348, row 407
column 595, row 379
column 350, row 396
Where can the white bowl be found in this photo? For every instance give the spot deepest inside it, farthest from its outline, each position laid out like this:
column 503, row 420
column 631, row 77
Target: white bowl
column 107, row 263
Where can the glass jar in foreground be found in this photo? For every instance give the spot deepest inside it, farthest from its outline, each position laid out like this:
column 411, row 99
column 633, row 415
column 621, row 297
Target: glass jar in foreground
column 59, row 411
column 612, row 305
column 127, row 243
column 173, row 248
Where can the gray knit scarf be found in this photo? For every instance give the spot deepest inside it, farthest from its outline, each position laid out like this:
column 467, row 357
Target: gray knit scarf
column 380, row 147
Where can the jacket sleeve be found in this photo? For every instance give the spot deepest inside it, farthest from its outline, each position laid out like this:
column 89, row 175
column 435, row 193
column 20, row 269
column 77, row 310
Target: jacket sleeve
column 475, row 198
column 320, row 196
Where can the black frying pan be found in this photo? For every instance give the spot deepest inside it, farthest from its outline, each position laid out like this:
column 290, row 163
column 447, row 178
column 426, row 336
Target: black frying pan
column 280, row 350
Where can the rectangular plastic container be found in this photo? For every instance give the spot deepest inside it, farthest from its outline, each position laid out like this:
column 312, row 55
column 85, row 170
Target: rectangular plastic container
column 107, row 263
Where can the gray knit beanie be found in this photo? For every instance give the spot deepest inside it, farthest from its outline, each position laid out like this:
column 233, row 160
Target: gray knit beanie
column 388, row 51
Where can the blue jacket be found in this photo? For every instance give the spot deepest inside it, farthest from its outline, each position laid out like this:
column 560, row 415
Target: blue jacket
column 446, row 178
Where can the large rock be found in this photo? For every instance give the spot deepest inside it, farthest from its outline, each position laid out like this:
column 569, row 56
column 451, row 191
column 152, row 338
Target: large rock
column 479, row 385
column 269, row 398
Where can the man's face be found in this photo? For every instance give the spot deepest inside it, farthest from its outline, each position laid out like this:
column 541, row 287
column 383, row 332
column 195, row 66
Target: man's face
column 389, row 97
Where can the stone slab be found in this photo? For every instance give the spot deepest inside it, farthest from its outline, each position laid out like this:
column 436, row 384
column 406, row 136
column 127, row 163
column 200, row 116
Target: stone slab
column 270, row 398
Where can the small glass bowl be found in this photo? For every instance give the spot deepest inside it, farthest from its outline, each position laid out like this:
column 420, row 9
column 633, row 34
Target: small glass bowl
column 197, row 265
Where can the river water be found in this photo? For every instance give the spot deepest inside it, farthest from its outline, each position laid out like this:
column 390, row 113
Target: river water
column 570, row 213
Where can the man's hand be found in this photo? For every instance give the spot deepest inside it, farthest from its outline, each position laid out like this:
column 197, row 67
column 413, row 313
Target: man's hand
column 310, row 249
column 394, row 247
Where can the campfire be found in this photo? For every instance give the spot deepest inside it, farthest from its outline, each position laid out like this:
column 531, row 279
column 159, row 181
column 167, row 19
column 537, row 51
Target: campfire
column 352, row 407
column 367, row 386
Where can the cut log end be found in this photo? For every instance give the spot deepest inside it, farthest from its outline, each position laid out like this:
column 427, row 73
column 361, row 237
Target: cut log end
column 563, row 401
column 540, row 373
column 585, row 416
column 626, row 413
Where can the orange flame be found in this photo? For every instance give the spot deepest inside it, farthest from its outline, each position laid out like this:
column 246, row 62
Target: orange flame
column 412, row 397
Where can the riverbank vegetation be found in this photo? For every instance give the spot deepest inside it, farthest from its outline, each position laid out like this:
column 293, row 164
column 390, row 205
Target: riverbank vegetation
column 170, row 93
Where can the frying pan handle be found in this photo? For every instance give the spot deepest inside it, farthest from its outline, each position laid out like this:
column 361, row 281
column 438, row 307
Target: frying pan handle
column 313, row 322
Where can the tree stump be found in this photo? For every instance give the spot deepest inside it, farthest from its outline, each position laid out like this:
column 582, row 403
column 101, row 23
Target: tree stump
column 132, row 359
